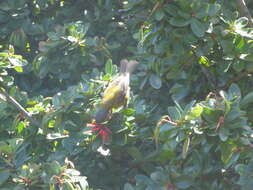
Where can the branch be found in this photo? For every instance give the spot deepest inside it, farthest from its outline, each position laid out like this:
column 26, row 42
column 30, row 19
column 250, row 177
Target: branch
column 19, row 107
column 244, row 11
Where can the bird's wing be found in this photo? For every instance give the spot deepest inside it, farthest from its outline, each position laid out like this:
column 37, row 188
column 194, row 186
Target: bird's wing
column 111, row 86
column 115, row 94
column 111, row 95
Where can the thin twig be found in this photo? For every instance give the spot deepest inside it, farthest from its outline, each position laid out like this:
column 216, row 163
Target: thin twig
column 244, row 11
column 19, row 107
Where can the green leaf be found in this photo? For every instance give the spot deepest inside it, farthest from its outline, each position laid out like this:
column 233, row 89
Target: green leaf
column 5, row 148
column 128, row 186
column 238, row 66
column 183, row 182
column 3, row 105
column 226, row 98
column 227, row 150
column 143, row 179
column 240, row 27
column 20, row 127
column 155, row 81
column 67, row 185
column 247, row 99
column 213, row 9
column 157, row 176
column 4, row 175
column 159, row 14
column 83, row 182
column 166, row 127
column 174, row 113
column 240, row 43
column 179, row 91
column 144, row 81
column 245, row 172
column 135, row 153
column 198, row 28
column 171, row 9
column 17, row 62
column 189, row 106
column 129, row 111
column 4, row 54
column 240, row 168
column 53, row 168
column 241, row 22
column 153, row 186
column 21, row 155
column 234, row 114
column 204, row 61
column 109, row 67
column 223, row 133
column 197, row 110
column 18, row 69
column 246, row 57
column 179, row 22
column 72, row 172
column 52, row 136
column 234, row 91
column 4, row 17
column 107, row 77
column 72, row 39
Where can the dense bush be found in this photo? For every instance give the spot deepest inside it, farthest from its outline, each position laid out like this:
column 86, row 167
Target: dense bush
column 188, row 124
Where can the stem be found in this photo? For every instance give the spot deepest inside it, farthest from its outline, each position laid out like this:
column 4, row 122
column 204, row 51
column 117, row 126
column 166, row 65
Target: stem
column 19, row 107
column 244, row 11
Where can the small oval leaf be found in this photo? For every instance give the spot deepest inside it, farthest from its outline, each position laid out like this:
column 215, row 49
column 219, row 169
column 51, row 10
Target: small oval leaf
column 179, row 22
column 198, row 28
column 155, row 81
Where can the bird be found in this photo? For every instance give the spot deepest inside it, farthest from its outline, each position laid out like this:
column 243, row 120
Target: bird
column 117, row 92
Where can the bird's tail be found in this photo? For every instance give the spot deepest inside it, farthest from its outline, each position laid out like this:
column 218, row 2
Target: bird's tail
column 127, row 66
column 102, row 114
